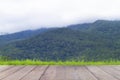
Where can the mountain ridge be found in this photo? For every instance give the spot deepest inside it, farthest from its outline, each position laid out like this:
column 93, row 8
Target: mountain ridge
column 97, row 41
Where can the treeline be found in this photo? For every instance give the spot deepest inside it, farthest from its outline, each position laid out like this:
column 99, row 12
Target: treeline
column 98, row 41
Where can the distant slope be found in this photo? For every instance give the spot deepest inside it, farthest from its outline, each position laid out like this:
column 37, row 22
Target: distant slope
column 96, row 41
column 4, row 39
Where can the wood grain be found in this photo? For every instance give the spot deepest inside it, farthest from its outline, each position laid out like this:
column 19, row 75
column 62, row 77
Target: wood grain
column 10, row 72
column 100, row 74
column 60, row 72
column 35, row 74
column 19, row 74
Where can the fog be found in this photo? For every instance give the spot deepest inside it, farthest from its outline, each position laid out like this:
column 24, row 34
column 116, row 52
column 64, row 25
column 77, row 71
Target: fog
column 18, row 15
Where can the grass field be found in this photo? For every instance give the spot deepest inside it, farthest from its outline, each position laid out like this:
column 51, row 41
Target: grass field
column 37, row 62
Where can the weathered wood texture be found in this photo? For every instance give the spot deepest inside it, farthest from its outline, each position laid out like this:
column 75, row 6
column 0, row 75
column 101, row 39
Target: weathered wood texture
column 60, row 72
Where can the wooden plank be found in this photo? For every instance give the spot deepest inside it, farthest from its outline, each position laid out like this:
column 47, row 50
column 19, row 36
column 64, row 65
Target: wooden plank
column 9, row 72
column 67, row 73
column 111, row 70
column 78, row 73
column 84, row 74
column 3, row 68
column 55, row 73
column 60, row 73
column 100, row 74
column 117, row 67
column 72, row 73
column 21, row 73
column 35, row 74
column 49, row 74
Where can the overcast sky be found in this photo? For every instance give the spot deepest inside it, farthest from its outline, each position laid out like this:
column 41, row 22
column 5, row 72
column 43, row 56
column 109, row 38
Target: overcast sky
column 17, row 15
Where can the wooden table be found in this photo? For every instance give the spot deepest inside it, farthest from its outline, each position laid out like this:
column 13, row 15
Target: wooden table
column 60, row 72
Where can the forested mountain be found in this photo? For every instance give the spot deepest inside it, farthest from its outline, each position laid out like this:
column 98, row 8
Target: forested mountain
column 7, row 38
column 96, row 41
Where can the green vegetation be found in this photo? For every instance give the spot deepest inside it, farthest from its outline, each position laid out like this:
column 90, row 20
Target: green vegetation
column 94, row 42
column 8, row 38
column 70, row 63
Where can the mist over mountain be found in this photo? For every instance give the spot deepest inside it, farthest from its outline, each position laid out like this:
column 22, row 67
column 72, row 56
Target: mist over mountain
column 7, row 38
column 35, row 14
column 97, row 41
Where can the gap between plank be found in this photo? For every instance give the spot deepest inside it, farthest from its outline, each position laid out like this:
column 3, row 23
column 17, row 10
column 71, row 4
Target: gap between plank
column 28, row 72
column 44, row 72
column 92, row 73
column 109, row 73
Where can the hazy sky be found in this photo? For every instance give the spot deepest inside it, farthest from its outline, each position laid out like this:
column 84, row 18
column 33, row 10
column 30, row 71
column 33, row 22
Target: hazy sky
column 17, row 15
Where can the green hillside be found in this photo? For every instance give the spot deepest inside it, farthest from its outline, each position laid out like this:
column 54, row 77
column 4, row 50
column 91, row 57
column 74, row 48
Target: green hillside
column 98, row 41
column 8, row 38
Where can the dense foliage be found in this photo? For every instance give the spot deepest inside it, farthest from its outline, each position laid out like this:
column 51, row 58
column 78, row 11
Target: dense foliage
column 8, row 38
column 98, row 41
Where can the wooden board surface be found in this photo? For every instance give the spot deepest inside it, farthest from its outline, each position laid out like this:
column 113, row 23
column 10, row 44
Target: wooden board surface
column 60, row 72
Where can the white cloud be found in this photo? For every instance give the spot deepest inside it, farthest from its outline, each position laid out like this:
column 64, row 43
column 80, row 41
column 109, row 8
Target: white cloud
column 16, row 15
